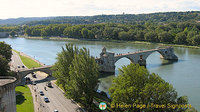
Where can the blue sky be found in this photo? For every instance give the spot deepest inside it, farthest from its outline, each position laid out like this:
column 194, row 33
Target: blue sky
column 43, row 8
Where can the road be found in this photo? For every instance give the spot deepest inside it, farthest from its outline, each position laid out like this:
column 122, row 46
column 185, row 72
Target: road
column 56, row 97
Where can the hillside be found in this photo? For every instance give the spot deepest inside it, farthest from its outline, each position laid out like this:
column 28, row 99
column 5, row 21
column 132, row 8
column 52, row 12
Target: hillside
column 161, row 17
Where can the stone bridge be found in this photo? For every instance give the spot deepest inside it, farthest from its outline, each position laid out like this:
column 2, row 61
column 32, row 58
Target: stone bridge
column 107, row 60
column 22, row 73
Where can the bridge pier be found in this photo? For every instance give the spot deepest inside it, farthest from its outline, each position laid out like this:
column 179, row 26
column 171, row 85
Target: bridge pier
column 106, row 61
column 142, row 62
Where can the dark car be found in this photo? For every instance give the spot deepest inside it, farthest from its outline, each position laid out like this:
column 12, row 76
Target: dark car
column 23, row 66
column 34, row 75
column 46, row 99
column 48, row 84
column 41, row 93
column 34, row 83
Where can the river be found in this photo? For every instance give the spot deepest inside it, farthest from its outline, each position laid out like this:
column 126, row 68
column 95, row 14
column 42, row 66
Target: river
column 184, row 75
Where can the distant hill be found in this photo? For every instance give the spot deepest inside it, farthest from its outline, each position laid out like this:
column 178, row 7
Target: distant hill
column 161, row 17
column 22, row 20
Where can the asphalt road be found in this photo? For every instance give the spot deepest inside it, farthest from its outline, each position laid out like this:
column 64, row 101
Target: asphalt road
column 56, row 97
column 16, row 61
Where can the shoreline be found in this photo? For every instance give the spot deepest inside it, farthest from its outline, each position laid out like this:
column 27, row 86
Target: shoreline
column 133, row 42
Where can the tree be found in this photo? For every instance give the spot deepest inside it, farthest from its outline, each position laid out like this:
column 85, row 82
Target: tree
column 180, row 38
column 90, row 34
column 5, row 58
column 43, row 33
column 190, row 36
column 123, row 35
column 84, row 33
column 77, row 72
column 151, row 36
column 196, row 40
column 165, row 37
column 4, row 67
column 68, row 32
column 135, row 84
column 61, row 67
column 5, row 51
column 83, row 78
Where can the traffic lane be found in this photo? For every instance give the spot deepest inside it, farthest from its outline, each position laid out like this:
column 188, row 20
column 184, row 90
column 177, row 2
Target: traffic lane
column 56, row 97
column 16, row 61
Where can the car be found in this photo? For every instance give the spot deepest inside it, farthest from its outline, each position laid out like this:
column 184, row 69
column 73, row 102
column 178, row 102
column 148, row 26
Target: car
column 23, row 66
column 34, row 83
column 55, row 110
column 41, row 93
column 18, row 66
column 34, row 75
column 48, row 84
column 46, row 99
column 27, row 79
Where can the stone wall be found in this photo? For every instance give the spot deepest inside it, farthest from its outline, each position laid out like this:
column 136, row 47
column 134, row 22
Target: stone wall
column 7, row 94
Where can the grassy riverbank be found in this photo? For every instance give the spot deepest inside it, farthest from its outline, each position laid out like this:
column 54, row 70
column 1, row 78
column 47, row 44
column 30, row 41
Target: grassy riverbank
column 131, row 42
column 24, row 101
column 28, row 62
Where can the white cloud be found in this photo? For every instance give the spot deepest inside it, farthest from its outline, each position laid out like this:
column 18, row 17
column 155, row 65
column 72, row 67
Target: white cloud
column 41, row 8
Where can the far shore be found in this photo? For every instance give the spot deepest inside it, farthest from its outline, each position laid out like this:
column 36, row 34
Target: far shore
column 135, row 42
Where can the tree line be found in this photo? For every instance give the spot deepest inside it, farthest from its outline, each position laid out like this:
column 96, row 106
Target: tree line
column 160, row 17
column 173, row 33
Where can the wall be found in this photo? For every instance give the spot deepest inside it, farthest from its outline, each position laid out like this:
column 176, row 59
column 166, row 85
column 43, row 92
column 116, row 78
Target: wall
column 7, row 94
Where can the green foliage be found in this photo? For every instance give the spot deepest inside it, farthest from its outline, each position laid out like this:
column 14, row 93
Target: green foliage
column 124, row 35
column 84, row 33
column 77, row 72
column 28, row 62
column 161, row 17
column 83, row 78
column 61, row 68
column 5, row 58
column 165, row 37
column 135, row 84
column 151, row 36
column 172, row 28
column 180, row 38
column 5, row 50
column 4, row 67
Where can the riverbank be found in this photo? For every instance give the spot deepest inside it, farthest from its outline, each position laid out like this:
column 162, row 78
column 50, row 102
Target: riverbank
column 28, row 61
column 131, row 42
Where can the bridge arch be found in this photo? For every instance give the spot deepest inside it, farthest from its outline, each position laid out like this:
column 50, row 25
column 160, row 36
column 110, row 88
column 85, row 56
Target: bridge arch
column 25, row 72
column 120, row 57
column 147, row 54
